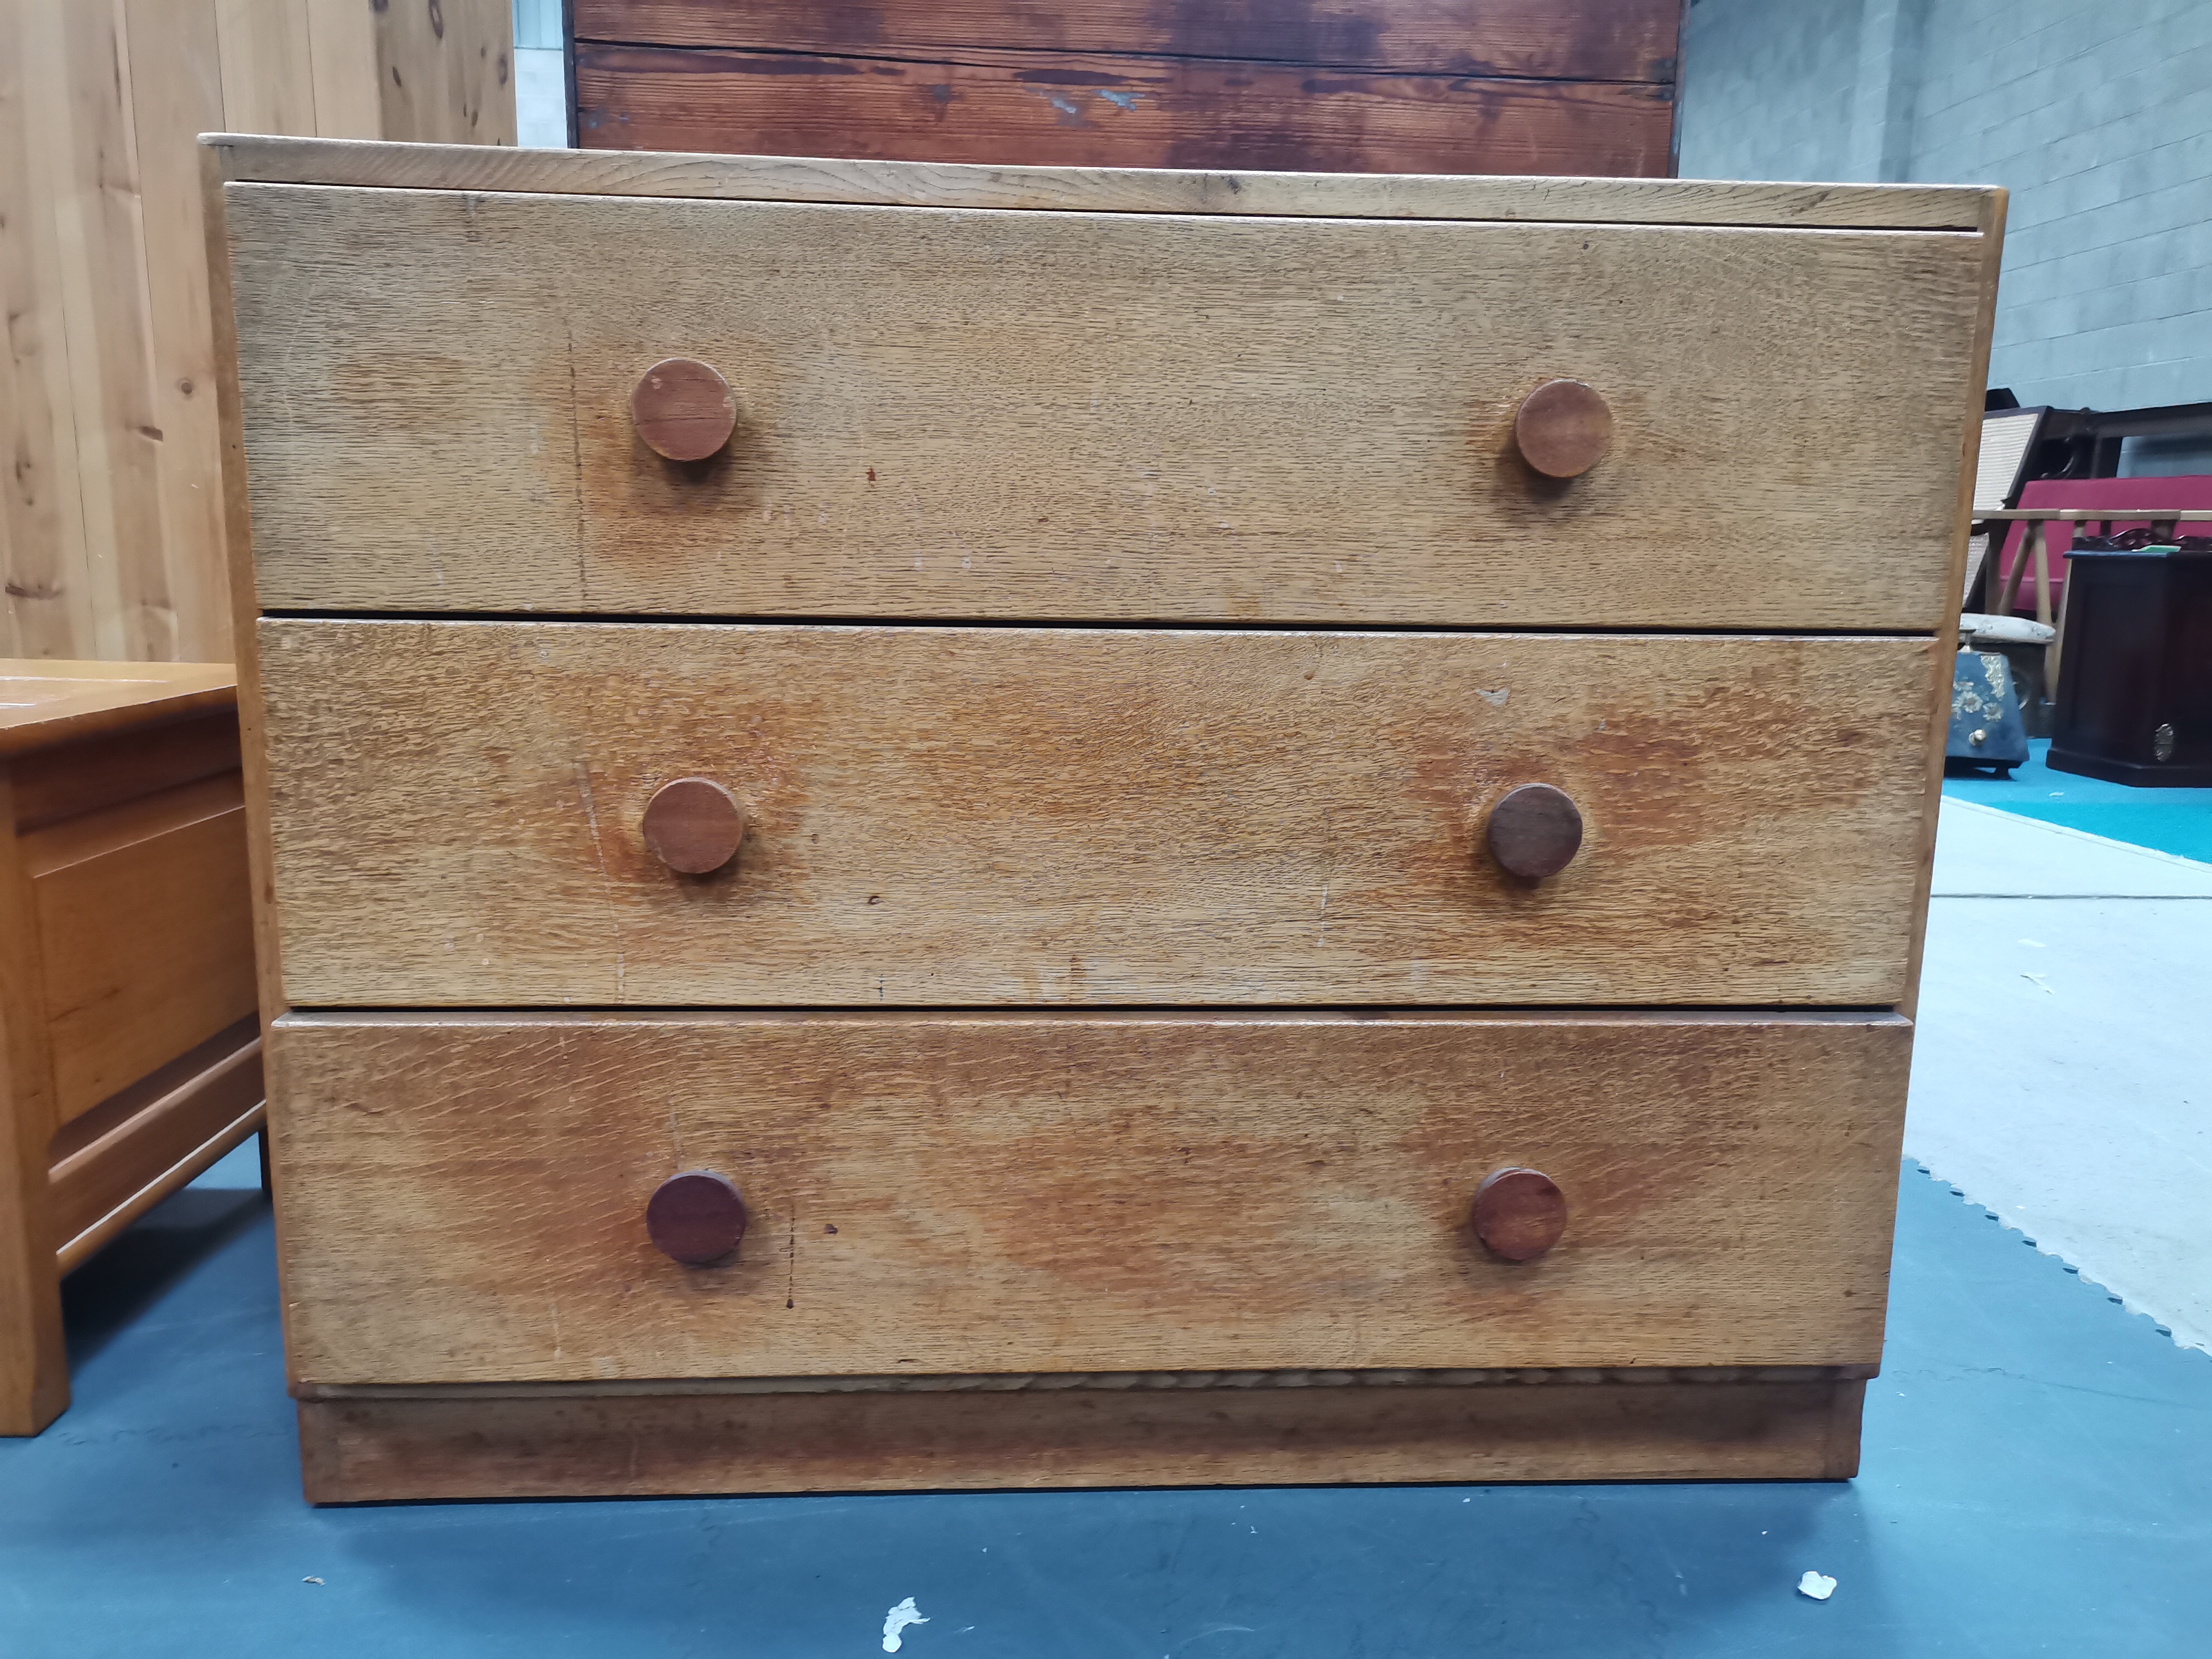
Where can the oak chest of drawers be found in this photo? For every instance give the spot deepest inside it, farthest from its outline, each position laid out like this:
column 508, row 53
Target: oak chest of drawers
column 933, row 826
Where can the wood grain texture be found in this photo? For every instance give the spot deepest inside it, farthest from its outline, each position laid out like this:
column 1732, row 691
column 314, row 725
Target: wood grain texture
column 34, row 1386
column 149, row 1130
column 445, row 71
column 74, row 1253
column 73, row 1140
column 177, row 90
column 101, row 234
column 438, row 72
column 110, row 552
column 245, row 159
column 268, row 69
column 105, row 867
column 1092, row 417
column 368, row 1451
column 1937, row 731
column 966, row 816
column 110, row 536
column 245, row 599
column 1616, row 40
column 44, row 612
column 342, row 41
column 75, row 778
column 462, row 1200
column 43, row 704
column 1074, row 109
column 122, row 920
column 145, row 926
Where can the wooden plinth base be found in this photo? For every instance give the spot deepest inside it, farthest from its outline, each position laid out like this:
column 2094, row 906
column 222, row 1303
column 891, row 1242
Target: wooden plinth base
column 574, row 1442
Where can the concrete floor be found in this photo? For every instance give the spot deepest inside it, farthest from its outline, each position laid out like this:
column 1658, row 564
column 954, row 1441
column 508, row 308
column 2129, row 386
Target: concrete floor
column 2059, row 1073
column 2038, row 1455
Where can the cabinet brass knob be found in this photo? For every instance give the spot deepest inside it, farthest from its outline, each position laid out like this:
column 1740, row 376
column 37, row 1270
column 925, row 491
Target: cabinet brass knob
column 1519, row 1214
column 1564, row 429
column 684, row 410
column 1535, row 831
column 695, row 1217
column 693, row 825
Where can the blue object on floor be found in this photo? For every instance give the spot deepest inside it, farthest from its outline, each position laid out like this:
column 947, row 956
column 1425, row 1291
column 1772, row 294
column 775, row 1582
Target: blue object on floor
column 2037, row 1462
column 1985, row 727
column 2177, row 821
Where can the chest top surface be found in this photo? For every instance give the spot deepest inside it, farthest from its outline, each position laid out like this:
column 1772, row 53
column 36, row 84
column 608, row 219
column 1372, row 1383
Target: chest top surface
column 46, row 702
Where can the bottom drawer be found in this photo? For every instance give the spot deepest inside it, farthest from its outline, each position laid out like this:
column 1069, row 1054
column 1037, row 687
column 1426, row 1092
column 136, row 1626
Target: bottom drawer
column 462, row 1199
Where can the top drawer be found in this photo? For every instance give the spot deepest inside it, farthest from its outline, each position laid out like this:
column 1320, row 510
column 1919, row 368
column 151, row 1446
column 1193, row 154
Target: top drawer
column 971, row 413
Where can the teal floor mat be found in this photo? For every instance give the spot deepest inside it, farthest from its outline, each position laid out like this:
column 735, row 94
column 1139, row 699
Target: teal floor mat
column 2177, row 821
column 2037, row 1461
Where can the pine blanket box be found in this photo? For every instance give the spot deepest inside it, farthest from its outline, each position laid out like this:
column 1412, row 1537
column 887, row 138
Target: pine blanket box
column 934, row 826
column 131, row 1051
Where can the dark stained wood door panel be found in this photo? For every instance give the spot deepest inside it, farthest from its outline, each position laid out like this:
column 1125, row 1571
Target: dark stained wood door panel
column 1416, row 86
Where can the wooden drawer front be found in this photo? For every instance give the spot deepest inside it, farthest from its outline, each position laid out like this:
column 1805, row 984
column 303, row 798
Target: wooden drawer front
column 145, row 934
column 943, row 815
column 957, row 413
column 1012, row 1193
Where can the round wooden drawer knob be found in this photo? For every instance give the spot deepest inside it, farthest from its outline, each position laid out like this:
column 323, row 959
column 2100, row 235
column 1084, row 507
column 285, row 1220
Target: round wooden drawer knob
column 1519, row 1214
column 695, row 1217
column 1535, row 831
column 693, row 825
column 1564, row 429
column 684, row 410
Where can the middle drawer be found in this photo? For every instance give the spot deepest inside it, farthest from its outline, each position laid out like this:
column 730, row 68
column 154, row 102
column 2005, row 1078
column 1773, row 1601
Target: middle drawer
column 955, row 816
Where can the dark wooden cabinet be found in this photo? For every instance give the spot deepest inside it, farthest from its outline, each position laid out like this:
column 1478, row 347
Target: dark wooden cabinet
column 2134, row 700
column 1569, row 87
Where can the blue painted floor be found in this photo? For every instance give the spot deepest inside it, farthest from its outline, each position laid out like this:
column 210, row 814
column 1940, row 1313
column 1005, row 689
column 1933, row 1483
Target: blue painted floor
column 2038, row 1480
column 2177, row 821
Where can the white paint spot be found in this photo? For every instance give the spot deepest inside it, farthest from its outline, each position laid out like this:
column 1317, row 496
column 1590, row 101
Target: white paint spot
column 1121, row 100
column 905, row 1613
column 1495, row 699
column 1817, row 1585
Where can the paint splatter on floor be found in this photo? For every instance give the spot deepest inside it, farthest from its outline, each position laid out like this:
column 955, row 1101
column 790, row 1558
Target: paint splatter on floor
column 896, row 1621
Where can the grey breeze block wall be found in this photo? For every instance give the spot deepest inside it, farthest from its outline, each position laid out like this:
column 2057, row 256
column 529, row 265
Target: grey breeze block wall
column 2096, row 114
